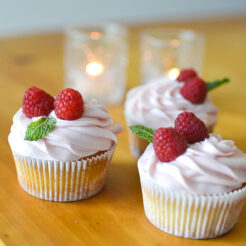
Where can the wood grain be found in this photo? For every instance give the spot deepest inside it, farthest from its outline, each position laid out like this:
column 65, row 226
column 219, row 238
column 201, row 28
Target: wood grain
column 115, row 216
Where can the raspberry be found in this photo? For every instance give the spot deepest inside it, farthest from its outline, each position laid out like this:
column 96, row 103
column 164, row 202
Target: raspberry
column 69, row 105
column 168, row 144
column 186, row 74
column 194, row 90
column 192, row 128
column 37, row 102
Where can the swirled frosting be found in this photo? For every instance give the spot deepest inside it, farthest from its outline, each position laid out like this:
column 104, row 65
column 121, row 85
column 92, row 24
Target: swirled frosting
column 157, row 104
column 212, row 166
column 94, row 131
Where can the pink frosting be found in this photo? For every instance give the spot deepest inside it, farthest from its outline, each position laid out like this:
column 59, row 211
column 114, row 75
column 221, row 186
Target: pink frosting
column 212, row 166
column 157, row 104
column 69, row 140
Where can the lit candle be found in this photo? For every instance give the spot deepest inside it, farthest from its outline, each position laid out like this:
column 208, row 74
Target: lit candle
column 173, row 73
column 94, row 68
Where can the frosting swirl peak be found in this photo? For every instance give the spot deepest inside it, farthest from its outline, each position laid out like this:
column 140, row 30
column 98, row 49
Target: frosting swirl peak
column 212, row 166
column 157, row 104
column 69, row 140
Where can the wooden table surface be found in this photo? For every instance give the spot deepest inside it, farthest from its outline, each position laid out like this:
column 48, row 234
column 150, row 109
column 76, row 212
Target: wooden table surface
column 115, row 216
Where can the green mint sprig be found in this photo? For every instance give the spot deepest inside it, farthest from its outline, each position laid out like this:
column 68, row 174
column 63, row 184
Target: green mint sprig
column 216, row 83
column 143, row 132
column 39, row 128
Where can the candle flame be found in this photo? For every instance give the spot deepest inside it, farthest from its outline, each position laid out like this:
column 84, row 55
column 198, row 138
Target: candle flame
column 173, row 73
column 94, row 68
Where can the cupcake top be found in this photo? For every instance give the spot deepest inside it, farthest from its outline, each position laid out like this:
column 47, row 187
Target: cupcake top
column 69, row 140
column 157, row 104
column 212, row 166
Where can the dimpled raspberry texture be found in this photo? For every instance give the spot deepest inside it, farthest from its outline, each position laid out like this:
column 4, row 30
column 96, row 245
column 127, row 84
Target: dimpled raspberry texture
column 194, row 90
column 37, row 102
column 69, row 105
column 192, row 128
column 168, row 144
column 186, row 74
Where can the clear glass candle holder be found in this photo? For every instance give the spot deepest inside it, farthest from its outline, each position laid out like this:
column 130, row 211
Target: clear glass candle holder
column 96, row 60
column 165, row 51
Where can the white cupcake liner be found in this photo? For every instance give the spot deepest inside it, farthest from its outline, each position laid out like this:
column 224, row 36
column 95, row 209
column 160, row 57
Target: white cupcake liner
column 63, row 181
column 191, row 216
column 137, row 144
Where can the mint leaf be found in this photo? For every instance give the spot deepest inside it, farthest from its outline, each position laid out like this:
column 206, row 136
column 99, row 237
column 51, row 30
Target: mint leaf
column 39, row 128
column 143, row 132
column 216, row 83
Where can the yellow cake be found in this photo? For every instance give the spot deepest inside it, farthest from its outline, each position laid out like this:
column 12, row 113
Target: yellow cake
column 63, row 181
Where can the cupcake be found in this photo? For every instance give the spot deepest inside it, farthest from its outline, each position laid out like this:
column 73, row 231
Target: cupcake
column 192, row 190
column 62, row 148
column 157, row 104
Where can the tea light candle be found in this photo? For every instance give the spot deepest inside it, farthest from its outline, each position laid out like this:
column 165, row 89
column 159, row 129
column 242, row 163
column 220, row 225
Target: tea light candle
column 164, row 50
column 95, row 60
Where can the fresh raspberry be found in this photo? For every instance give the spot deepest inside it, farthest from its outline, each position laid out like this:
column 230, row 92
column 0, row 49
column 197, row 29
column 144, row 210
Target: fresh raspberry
column 186, row 74
column 192, row 128
column 37, row 102
column 168, row 144
column 69, row 105
column 194, row 90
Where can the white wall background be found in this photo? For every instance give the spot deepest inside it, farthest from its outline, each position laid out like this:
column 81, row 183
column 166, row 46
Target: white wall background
column 28, row 16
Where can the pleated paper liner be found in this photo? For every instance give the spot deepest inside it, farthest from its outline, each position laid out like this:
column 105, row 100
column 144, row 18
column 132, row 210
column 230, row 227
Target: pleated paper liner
column 191, row 216
column 63, row 181
column 137, row 144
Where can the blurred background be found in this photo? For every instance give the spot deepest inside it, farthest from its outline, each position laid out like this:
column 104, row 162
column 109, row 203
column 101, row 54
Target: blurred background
column 28, row 16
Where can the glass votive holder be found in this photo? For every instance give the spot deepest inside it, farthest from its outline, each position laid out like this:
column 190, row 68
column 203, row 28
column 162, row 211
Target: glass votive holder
column 165, row 51
column 95, row 61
